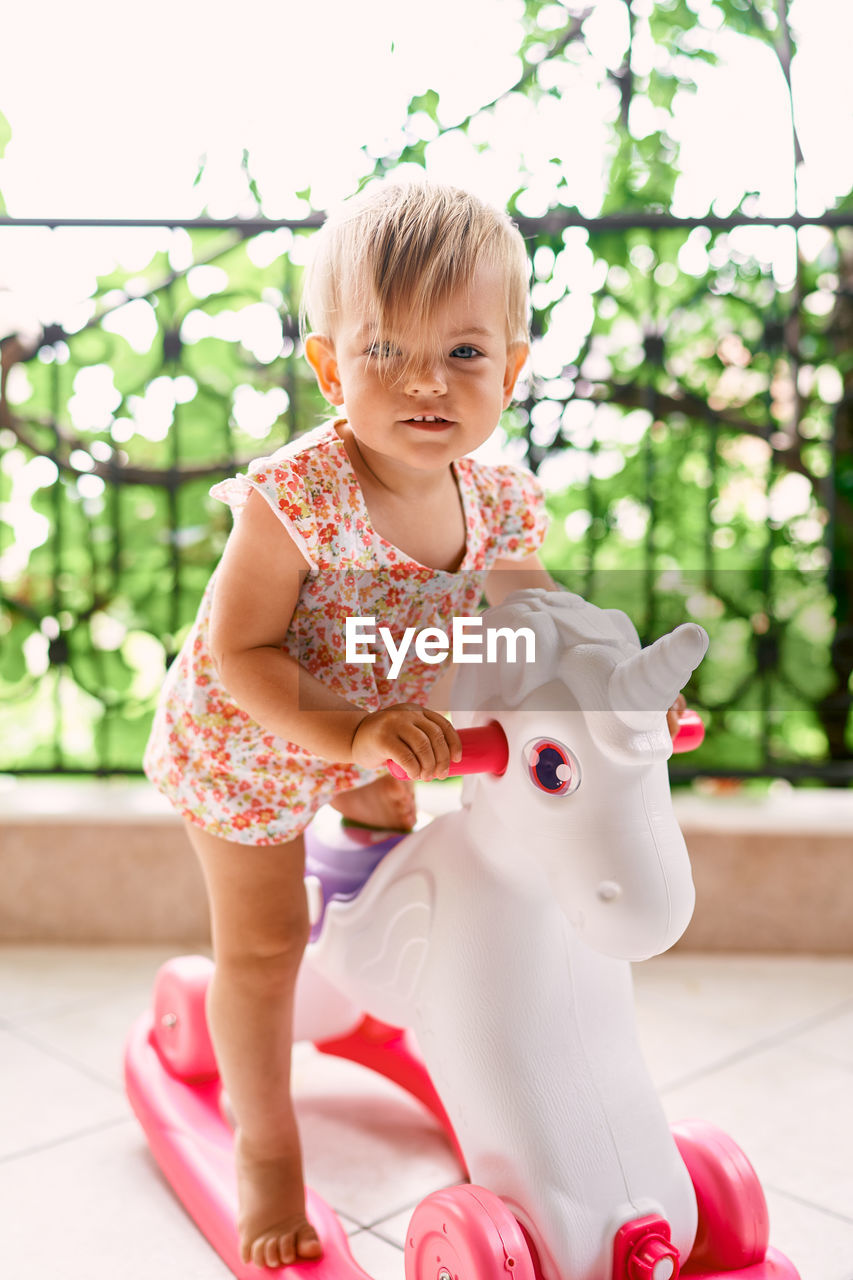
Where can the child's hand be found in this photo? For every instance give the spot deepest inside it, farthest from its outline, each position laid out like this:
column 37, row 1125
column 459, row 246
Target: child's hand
column 419, row 740
column 675, row 713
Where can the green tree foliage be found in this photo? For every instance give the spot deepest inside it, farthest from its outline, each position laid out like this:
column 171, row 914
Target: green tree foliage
column 689, row 415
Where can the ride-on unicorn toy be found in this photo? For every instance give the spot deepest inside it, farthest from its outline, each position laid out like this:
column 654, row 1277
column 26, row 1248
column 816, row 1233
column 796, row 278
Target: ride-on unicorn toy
column 483, row 962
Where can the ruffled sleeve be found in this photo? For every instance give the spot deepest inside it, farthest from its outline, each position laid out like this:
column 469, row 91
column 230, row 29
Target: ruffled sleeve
column 513, row 504
column 282, row 486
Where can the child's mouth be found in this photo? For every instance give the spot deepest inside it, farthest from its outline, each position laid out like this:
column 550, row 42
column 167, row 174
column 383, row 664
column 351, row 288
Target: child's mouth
column 429, row 422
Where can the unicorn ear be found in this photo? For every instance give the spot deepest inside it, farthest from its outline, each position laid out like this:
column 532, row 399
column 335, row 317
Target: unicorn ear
column 520, row 677
column 515, row 629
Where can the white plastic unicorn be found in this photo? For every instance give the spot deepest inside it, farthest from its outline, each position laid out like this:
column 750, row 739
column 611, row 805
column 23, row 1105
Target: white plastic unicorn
column 501, row 934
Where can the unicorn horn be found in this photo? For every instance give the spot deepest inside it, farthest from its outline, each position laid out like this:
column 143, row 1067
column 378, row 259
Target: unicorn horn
column 650, row 680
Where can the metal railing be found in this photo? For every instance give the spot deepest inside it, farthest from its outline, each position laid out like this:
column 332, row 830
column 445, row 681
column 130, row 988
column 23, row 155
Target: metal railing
column 695, row 442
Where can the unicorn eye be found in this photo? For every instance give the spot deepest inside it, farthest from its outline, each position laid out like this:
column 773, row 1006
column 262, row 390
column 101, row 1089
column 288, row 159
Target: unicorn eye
column 552, row 767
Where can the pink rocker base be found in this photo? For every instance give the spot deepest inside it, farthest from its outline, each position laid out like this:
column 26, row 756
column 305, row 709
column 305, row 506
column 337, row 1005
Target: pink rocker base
column 461, row 1233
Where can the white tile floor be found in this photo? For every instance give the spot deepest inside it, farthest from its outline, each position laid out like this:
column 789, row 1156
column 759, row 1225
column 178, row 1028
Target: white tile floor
column 762, row 1046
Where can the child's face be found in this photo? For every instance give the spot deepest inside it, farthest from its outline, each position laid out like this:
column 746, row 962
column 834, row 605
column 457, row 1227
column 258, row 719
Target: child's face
column 465, row 387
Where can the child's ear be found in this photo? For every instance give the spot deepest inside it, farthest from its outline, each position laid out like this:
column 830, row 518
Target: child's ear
column 320, row 354
column 515, row 358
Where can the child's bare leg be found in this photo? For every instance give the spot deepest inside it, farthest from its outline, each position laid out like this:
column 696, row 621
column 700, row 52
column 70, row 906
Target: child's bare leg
column 260, row 929
column 387, row 802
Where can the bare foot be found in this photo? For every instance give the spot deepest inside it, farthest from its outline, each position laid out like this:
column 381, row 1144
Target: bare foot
column 274, row 1230
column 387, row 803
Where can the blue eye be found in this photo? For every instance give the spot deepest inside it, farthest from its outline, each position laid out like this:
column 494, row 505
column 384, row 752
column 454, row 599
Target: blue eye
column 552, row 767
column 465, row 352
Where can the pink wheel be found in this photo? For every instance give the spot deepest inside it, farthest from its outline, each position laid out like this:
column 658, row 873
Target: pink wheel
column 734, row 1226
column 180, row 1022
column 466, row 1233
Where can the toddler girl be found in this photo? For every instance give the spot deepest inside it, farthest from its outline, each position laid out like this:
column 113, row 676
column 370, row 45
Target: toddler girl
column 416, row 301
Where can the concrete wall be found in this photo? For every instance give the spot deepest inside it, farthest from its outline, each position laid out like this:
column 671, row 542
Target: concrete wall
column 109, row 862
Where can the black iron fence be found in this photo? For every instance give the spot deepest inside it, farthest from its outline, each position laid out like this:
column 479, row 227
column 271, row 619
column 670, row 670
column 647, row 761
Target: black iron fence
column 689, row 409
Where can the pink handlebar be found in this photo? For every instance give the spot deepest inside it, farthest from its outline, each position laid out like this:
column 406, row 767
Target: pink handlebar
column 691, row 732
column 485, row 748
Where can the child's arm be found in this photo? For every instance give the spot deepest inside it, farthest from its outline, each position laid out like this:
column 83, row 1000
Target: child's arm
column 507, row 576
column 257, row 588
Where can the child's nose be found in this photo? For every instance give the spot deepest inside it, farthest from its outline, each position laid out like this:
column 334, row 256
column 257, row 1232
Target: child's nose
column 430, row 379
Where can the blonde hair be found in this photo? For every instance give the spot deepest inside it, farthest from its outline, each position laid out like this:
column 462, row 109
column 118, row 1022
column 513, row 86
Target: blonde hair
column 401, row 249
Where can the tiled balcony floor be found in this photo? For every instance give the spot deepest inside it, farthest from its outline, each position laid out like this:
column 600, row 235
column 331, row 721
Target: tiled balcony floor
column 762, row 1046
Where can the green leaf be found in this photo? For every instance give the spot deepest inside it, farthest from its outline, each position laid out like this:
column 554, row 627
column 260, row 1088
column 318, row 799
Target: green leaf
column 427, row 102
column 663, row 88
column 13, row 666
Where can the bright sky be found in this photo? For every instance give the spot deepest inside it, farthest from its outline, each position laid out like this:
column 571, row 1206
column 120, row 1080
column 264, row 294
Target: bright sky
column 111, row 106
column 112, row 109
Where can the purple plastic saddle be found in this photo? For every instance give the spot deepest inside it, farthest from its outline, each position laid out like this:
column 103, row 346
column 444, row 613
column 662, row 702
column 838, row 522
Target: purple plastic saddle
column 343, row 858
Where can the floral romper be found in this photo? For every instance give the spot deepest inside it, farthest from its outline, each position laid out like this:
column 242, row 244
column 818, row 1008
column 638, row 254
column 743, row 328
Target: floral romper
column 219, row 767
